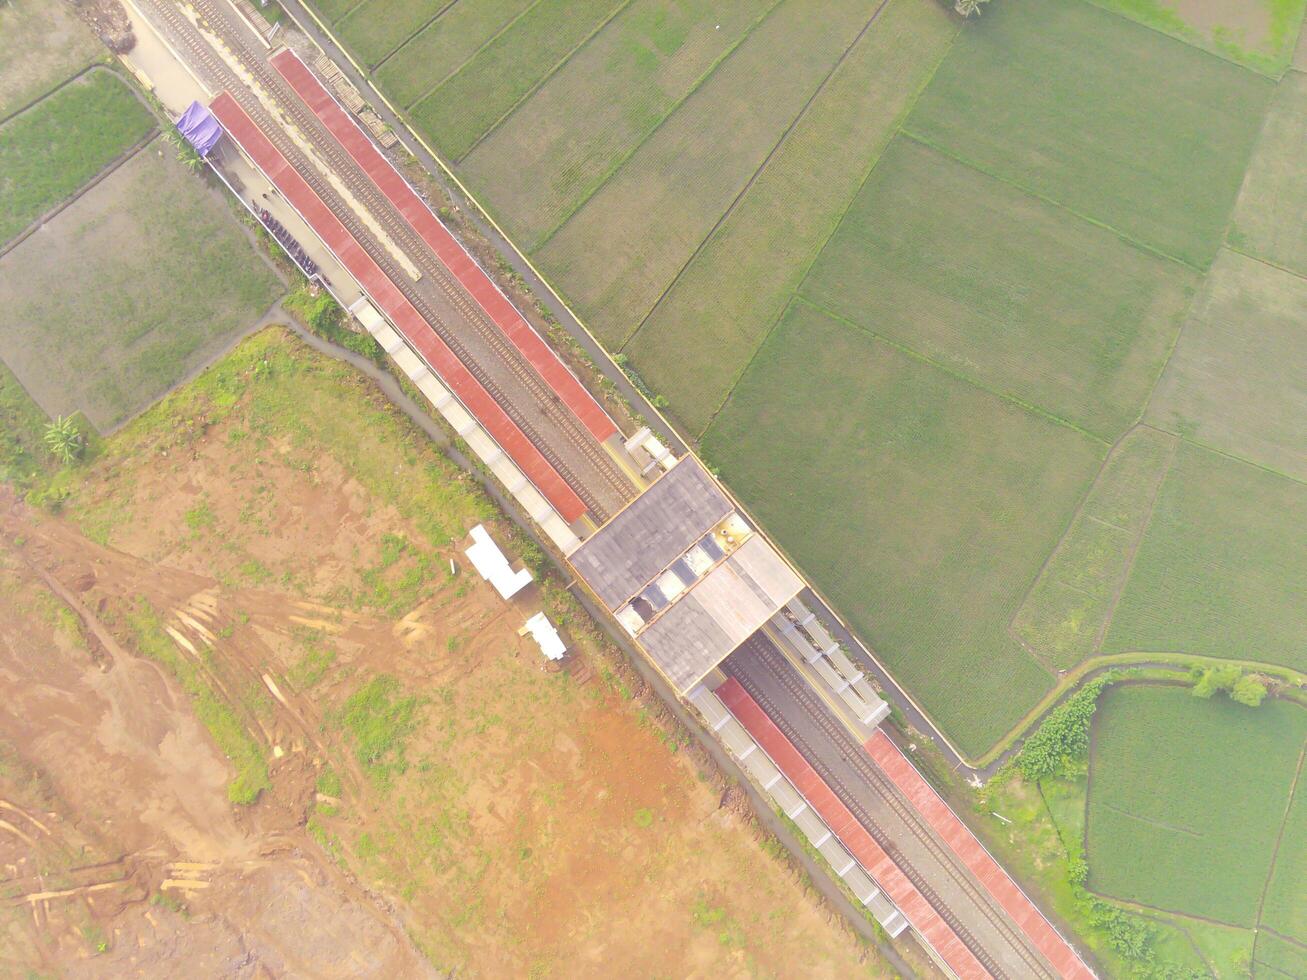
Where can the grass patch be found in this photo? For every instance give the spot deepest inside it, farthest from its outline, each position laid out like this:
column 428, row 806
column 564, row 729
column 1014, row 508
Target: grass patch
column 465, row 106
column 650, row 216
column 1219, row 572
column 379, row 722
column 948, row 499
column 1260, row 36
column 1001, row 287
column 699, row 339
column 226, row 729
column 444, row 46
column 1274, row 192
column 135, row 285
column 1068, row 607
column 1186, row 798
column 1035, row 93
column 1234, row 380
column 545, row 160
column 23, row 454
column 41, row 44
column 51, row 150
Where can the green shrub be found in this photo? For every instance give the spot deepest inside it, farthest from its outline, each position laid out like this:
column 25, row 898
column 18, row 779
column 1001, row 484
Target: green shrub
column 1063, row 738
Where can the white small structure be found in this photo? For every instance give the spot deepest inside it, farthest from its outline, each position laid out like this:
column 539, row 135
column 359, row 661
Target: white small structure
column 492, row 566
column 544, row 633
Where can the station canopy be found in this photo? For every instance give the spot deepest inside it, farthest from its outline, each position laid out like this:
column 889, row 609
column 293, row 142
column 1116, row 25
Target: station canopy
column 199, row 128
column 685, row 574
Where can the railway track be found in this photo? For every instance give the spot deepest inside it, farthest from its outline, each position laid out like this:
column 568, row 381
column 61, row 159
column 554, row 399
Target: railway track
column 221, row 20
column 766, row 655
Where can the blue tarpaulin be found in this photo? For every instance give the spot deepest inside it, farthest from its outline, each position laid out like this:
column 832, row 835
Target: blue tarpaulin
column 199, row 127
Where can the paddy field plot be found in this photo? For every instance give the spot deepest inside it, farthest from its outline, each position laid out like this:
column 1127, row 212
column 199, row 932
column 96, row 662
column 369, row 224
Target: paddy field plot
column 52, row 149
column 442, row 47
column 616, row 255
column 1238, row 378
column 699, row 338
column 1036, row 94
column 921, row 505
column 41, row 45
column 1267, row 220
column 1006, row 289
column 128, row 290
column 1277, row 958
column 1260, row 36
column 1285, row 906
column 1063, row 618
column 1220, row 570
column 540, row 164
column 465, row 106
column 1187, row 798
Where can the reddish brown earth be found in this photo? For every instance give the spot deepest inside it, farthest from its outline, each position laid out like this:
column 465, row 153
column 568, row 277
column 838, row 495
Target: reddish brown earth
column 528, row 822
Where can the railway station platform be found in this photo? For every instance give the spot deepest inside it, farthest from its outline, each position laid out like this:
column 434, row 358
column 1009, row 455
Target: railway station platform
column 893, row 821
column 461, row 265
column 297, row 191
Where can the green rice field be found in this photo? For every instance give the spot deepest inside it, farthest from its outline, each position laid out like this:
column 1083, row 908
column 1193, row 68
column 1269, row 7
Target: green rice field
column 652, row 56
column 856, row 427
column 1187, row 798
column 52, row 149
column 1220, row 570
column 1037, row 96
column 993, row 283
column 698, row 339
column 165, row 281
column 1233, row 382
column 1063, row 618
column 1265, row 222
column 41, row 45
column 651, row 215
column 1260, row 36
column 1075, row 226
column 486, row 88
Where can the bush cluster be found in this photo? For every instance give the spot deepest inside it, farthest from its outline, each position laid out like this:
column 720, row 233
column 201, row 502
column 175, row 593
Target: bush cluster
column 1063, row 738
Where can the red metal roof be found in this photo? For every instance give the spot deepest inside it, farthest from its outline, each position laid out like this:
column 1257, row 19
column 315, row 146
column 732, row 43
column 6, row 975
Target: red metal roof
column 964, row 844
column 398, row 309
column 446, row 248
column 901, row 891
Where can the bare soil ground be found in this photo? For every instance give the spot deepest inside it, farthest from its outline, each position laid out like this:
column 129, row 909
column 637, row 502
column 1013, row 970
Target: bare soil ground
column 433, row 789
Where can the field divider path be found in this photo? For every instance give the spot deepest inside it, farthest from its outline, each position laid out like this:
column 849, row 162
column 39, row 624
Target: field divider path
column 1275, row 854
column 1125, row 237
column 916, row 355
column 430, row 90
column 440, row 12
column 621, row 161
column 540, row 82
column 762, row 166
column 89, row 186
column 1133, row 553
